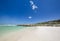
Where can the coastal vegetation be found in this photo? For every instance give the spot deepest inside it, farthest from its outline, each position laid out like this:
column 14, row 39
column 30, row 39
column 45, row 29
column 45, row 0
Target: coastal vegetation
column 48, row 23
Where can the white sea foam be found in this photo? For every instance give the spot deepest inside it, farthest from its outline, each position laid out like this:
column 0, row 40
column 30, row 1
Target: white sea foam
column 7, row 25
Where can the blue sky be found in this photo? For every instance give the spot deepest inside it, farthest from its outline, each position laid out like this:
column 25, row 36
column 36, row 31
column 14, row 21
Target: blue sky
column 19, row 11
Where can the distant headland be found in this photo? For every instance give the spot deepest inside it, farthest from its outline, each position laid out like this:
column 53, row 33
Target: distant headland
column 48, row 23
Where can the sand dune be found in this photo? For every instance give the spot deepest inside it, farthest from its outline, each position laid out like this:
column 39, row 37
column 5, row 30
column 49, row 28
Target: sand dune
column 39, row 33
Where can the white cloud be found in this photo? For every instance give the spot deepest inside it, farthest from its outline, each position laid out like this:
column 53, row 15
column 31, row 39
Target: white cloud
column 33, row 5
column 31, row 2
column 29, row 17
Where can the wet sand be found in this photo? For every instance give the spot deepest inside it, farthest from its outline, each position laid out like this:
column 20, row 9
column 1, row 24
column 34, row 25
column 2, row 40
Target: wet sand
column 39, row 33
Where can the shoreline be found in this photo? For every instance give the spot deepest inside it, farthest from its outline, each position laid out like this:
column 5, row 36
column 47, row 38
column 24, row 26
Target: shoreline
column 37, row 33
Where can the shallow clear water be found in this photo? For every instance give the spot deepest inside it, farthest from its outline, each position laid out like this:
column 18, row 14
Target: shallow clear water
column 5, row 29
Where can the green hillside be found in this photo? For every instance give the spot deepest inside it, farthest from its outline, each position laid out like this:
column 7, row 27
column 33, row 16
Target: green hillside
column 50, row 23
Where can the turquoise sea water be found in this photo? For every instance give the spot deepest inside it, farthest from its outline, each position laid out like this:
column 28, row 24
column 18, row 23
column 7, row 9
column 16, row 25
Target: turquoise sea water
column 5, row 29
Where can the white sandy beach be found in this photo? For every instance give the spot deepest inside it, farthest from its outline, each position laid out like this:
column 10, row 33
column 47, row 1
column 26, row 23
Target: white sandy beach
column 39, row 33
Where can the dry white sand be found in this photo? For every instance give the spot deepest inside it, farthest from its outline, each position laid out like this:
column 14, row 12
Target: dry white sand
column 42, row 33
